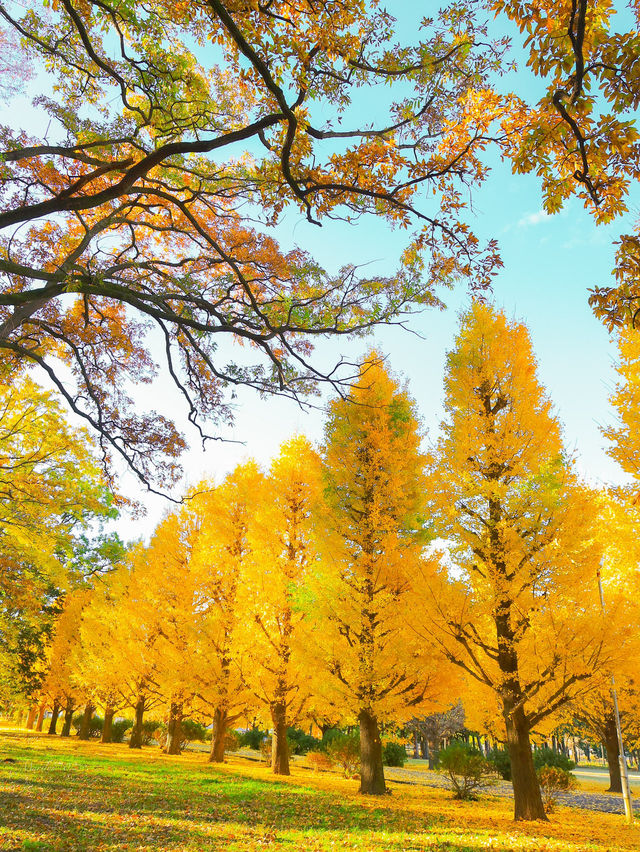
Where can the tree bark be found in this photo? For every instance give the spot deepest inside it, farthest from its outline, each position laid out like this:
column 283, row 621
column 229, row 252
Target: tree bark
column 371, row 769
column 135, row 740
column 41, row 711
column 279, row 745
column 31, row 718
column 85, row 726
column 613, row 755
column 174, row 730
column 54, row 717
column 109, row 713
column 218, row 734
column 526, row 789
column 433, row 750
column 68, row 719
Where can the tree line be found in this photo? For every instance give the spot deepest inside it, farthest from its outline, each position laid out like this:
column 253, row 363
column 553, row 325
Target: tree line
column 370, row 581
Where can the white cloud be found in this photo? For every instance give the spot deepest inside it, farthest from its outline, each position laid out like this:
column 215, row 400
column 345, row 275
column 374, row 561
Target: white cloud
column 532, row 219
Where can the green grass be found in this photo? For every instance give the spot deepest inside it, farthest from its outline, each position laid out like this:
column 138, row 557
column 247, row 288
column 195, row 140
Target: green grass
column 67, row 795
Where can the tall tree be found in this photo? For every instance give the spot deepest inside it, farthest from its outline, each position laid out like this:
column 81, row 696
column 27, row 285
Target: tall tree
column 53, row 499
column 520, row 613
column 282, row 555
column 370, row 540
column 168, row 135
column 221, row 553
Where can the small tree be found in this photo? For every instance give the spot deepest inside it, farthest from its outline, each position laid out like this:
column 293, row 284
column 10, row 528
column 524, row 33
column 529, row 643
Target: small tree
column 467, row 769
column 554, row 779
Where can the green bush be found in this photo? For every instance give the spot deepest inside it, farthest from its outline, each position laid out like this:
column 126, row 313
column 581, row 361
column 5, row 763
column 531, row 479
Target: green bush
column 394, row 754
column 119, row 729
column 95, row 726
column 301, row 743
column 553, row 780
column 153, row 730
column 252, row 738
column 468, row 769
column 344, row 749
column 500, row 760
column 546, row 756
column 192, row 732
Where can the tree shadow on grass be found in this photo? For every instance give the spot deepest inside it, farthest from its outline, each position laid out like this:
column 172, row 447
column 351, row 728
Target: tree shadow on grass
column 91, row 803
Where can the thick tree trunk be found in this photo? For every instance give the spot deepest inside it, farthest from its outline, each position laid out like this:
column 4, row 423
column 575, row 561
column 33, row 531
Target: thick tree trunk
column 174, row 730
column 416, row 746
column 613, row 755
column 371, row 770
column 135, row 740
column 526, row 789
column 218, row 734
column 31, row 718
column 279, row 745
column 85, row 726
column 41, row 711
column 109, row 713
column 68, row 719
column 54, row 717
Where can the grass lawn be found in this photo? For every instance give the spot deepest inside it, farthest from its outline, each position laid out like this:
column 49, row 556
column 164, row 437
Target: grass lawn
column 70, row 795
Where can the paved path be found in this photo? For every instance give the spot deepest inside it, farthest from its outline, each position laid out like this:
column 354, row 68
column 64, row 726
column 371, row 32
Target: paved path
column 605, row 802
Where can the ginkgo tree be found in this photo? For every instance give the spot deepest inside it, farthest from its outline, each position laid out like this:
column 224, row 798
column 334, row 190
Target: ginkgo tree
column 132, row 201
column 370, row 535
column 518, row 609
column 283, row 555
column 221, row 554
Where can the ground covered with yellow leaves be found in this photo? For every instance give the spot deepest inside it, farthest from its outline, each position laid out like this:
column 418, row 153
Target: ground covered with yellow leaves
column 71, row 795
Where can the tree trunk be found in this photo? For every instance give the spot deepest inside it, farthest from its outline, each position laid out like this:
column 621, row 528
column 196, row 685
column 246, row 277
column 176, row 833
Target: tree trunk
column 218, row 734
column 68, row 719
column 41, row 711
column 613, row 755
column 526, row 789
column 434, row 751
column 174, row 730
column 31, row 718
column 135, row 740
column 371, row 770
column 54, row 717
column 109, row 713
column 416, row 746
column 279, row 745
column 85, row 726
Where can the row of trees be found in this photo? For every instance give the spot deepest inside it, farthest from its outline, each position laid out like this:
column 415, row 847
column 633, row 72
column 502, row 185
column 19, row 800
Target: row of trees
column 320, row 590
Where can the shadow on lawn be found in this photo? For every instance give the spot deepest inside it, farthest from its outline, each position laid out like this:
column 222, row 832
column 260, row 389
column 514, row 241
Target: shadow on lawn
column 75, row 801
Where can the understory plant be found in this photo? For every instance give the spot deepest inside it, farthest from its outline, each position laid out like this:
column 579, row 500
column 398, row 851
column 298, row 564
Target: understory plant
column 467, row 769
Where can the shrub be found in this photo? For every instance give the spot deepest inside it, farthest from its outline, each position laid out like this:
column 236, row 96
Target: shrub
column 345, row 751
column 501, row 762
column 192, row 732
column 153, row 730
column 252, row 738
column 546, row 756
column 119, row 729
column 301, row 743
column 467, row 769
column 553, row 780
column 319, row 760
column 265, row 750
column 231, row 741
column 95, row 725
column 394, row 754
